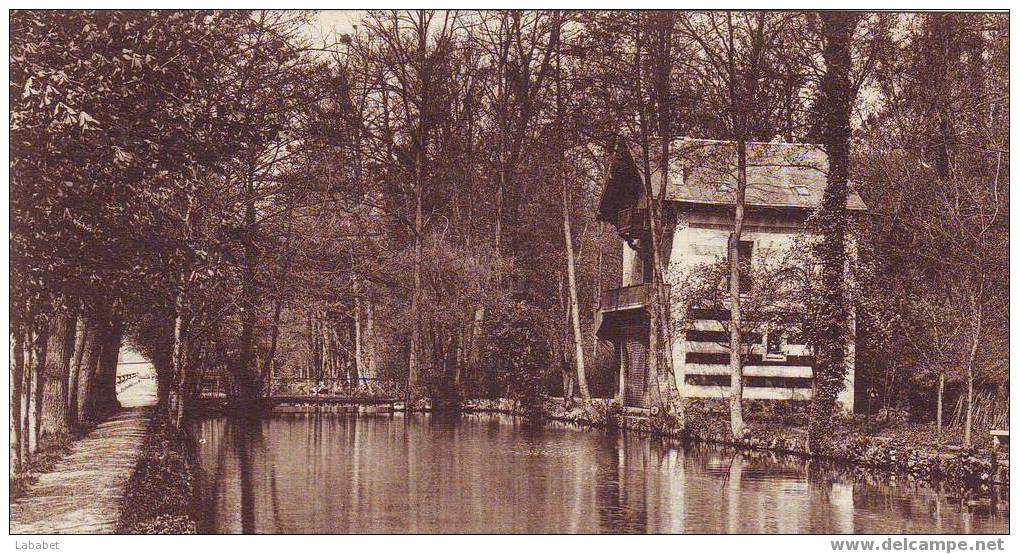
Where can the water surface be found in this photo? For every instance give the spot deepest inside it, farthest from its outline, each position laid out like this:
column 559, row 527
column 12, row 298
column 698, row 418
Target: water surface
column 396, row 473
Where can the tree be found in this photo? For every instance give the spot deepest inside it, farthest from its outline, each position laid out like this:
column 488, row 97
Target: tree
column 83, row 168
column 268, row 85
column 628, row 60
column 838, row 97
column 941, row 89
column 735, row 66
column 574, row 305
column 412, row 63
column 515, row 48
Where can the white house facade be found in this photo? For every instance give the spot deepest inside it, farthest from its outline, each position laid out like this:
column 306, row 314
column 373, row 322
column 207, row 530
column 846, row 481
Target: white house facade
column 785, row 183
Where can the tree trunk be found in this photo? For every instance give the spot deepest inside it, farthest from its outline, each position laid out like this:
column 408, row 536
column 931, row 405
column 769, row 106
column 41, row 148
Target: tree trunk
column 735, row 317
column 660, row 367
column 967, row 437
column 90, row 366
column 309, row 329
column 319, row 349
column 654, row 354
column 833, row 316
column 265, row 375
column 477, row 336
column 26, row 395
column 61, row 346
column 662, row 60
column 621, row 383
column 98, row 328
column 362, row 330
column 245, row 370
column 597, row 304
column 941, row 400
column 72, row 411
column 17, row 383
column 327, row 348
column 661, row 310
column 344, row 356
column 459, row 362
column 104, row 397
column 574, row 305
column 179, row 361
column 413, row 369
column 368, row 336
column 39, row 355
column 943, row 55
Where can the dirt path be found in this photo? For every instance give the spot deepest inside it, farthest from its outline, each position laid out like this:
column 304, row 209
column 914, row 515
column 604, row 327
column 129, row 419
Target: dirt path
column 82, row 493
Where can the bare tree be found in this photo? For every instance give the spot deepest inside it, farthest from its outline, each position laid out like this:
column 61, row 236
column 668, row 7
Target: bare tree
column 735, row 67
column 564, row 176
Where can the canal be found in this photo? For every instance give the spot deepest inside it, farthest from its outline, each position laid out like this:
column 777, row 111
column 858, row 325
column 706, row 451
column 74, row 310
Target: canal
column 395, row 473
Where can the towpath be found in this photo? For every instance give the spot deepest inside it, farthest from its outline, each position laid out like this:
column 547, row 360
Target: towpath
column 82, row 493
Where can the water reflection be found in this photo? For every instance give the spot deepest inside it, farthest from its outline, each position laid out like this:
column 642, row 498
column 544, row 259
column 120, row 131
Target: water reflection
column 341, row 473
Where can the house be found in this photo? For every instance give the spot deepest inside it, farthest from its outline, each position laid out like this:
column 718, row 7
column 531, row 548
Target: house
column 785, row 183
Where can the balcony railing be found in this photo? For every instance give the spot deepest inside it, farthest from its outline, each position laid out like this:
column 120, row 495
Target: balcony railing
column 632, row 221
column 625, row 298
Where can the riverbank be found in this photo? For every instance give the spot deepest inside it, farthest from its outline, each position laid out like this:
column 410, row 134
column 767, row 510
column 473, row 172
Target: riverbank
column 856, row 441
column 161, row 494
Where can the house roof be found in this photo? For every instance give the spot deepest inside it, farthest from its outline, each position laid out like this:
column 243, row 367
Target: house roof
column 622, row 187
column 779, row 175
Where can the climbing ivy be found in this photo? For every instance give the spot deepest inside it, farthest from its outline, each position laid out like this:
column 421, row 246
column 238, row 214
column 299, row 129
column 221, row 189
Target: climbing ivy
column 830, row 221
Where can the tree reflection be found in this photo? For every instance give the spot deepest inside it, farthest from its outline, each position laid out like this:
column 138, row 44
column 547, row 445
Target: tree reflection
column 342, row 473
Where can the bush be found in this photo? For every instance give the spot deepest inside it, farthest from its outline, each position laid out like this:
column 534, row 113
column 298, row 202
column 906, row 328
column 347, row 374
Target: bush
column 161, row 495
column 518, row 353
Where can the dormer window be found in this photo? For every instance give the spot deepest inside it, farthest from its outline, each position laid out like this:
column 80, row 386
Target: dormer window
column 801, row 190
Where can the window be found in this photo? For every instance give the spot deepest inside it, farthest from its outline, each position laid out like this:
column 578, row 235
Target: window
column 774, row 342
column 746, row 254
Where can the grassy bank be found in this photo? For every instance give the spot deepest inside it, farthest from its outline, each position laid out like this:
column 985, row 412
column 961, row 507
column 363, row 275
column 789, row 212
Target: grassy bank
column 880, row 443
column 886, row 443
column 161, row 495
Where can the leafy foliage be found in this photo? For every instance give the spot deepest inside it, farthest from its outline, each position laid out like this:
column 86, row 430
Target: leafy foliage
column 518, row 356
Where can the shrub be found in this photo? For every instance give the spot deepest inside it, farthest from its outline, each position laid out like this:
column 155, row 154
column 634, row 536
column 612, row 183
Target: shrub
column 161, row 495
column 518, row 353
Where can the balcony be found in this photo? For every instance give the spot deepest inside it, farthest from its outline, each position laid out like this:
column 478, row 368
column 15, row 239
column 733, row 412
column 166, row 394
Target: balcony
column 632, row 223
column 621, row 308
column 625, row 298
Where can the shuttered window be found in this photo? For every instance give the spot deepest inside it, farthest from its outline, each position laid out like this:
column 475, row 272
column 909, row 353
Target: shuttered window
column 746, row 253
